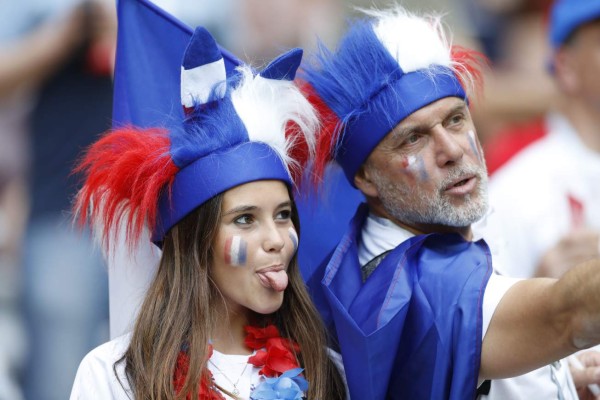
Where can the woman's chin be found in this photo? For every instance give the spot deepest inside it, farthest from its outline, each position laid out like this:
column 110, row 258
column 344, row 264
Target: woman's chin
column 269, row 307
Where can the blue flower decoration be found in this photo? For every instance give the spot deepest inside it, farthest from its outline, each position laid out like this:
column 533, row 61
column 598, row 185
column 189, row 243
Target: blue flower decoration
column 289, row 386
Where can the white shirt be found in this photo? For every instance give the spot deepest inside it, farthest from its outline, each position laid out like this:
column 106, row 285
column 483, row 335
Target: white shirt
column 96, row 378
column 529, row 197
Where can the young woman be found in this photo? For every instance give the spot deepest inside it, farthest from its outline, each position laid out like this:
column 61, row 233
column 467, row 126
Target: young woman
column 227, row 315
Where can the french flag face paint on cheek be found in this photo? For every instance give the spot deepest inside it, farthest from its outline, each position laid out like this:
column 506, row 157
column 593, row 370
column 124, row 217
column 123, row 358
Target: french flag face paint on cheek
column 417, row 165
column 293, row 238
column 235, row 251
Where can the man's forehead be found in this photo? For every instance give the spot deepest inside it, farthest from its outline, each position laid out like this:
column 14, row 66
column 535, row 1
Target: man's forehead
column 431, row 113
column 437, row 109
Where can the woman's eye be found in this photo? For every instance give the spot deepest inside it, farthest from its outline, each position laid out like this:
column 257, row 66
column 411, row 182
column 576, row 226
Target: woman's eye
column 284, row 215
column 245, row 219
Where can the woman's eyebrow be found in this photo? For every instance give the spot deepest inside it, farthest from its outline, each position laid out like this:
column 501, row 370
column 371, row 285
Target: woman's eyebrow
column 238, row 209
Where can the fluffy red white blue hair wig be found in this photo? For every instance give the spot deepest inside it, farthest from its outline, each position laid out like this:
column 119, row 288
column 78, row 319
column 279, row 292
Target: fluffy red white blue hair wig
column 246, row 128
column 386, row 67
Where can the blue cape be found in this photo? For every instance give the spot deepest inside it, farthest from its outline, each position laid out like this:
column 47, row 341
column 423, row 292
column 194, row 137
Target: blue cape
column 413, row 329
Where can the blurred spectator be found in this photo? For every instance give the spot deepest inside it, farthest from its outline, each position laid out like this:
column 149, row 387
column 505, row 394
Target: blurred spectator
column 511, row 34
column 551, row 187
column 30, row 52
column 216, row 16
column 262, row 28
column 56, row 94
column 65, row 281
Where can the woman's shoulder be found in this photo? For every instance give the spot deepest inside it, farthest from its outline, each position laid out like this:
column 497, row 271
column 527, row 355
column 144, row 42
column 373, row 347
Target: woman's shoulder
column 98, row 375
column 109, row 352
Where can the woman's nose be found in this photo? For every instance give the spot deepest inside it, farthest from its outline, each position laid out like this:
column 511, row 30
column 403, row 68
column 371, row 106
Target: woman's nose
column 274, row 239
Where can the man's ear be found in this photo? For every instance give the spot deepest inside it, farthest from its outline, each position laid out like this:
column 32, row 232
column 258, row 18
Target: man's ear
column 565, row 70
column 363, row 181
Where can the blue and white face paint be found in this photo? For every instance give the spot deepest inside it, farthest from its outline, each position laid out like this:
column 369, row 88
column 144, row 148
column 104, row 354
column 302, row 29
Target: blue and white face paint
column 474, row 145
column 293, row 238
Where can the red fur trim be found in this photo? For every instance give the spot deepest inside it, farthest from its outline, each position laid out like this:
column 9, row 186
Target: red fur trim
column 327, row 135
column 469, row 63
column 298, row 151
column 125, row 172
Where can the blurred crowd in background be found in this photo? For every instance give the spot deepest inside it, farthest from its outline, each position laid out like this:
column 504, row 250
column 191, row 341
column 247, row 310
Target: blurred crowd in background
column 56, row 59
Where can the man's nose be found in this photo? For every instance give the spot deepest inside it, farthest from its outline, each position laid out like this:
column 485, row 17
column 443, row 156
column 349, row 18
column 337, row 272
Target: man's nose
column 448, row 146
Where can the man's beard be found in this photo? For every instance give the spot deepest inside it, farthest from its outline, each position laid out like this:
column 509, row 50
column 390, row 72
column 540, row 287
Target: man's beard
column 411, row 206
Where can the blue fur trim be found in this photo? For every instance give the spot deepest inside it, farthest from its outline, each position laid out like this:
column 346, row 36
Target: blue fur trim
column 347, row 79
column 210, row 127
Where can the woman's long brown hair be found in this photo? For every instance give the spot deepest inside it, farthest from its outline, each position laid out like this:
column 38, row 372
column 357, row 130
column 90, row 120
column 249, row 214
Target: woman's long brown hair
column 181, row 308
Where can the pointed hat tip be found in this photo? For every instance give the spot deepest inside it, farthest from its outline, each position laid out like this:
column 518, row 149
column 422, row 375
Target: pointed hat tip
column 201, row 49
column 284, row 67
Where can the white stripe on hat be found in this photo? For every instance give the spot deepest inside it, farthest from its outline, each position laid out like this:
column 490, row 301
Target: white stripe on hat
column 197, row 83
column 416, row 43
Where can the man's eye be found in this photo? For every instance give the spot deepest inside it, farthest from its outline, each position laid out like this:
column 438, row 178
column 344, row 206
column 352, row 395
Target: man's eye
column 412, row 138
column 456, row 119
column 245, row 219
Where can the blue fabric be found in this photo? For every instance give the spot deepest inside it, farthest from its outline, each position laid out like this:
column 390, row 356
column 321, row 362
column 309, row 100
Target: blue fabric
column 193, row 185
column 413, row 329
column 150, row 47
column 324, row 216
column 568, row 15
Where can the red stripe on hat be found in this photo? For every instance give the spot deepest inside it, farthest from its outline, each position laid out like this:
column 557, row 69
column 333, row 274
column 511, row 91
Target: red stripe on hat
column 124, row 174
column 472, row 63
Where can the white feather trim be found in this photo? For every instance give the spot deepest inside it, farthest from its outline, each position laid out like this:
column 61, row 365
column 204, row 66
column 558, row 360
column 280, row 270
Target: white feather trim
column 266, row 106
column 415, row 42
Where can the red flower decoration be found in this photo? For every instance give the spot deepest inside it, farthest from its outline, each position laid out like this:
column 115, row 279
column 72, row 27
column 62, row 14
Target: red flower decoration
column 274, row 354
column 279, row 354
column 256, row 338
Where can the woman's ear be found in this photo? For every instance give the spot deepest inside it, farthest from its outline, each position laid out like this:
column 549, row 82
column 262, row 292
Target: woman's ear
column 363, row 181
